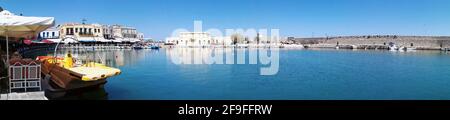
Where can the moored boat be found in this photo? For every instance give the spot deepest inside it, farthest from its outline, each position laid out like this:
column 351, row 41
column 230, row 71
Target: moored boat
column 138, row 47
column 393, row 48
column 402, row 49
column 69, row 76
column 154, row 47
column 411, row 49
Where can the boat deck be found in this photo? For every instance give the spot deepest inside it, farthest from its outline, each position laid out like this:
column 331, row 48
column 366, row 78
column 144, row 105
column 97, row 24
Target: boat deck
column 24, row 96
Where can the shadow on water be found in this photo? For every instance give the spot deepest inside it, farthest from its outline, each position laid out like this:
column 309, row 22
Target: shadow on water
column 92, row 93
column 85, row 94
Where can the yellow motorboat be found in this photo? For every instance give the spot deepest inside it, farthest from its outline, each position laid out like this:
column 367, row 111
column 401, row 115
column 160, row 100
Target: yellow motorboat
column 68, row 75
column 95, row 71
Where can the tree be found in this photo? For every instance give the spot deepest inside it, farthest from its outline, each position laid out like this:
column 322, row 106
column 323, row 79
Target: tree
column 237, row 38
column 257, row 38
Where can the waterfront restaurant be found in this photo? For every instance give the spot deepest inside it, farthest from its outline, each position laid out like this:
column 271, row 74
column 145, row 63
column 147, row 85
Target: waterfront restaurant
column 15, row 29
column 52, row 34
column 92, row 34
column 197, row 39
column 83, row 33
column 118, row 34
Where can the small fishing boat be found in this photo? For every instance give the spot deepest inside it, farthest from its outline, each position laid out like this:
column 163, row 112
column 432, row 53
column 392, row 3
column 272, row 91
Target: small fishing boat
column 138, row 47
column 393, row 48
column 68, row 75
column 242, row 45
column 153, row 47
column 402, row 49
column 127, row 47
column 410, row 48
column 354, row 47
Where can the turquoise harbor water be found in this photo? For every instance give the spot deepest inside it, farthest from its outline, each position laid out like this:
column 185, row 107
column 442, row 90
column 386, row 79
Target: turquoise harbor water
column 303, row 75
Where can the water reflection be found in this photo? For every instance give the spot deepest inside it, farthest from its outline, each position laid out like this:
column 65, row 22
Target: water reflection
column 197, row 55
column 216, row 55
column 238, row 56
column 113, row 58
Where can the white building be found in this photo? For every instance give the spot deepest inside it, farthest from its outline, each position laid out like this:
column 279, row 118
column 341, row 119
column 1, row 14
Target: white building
column 193, row 39
column 108, row 32
column 82, row 32
column 125, row 34
column 117, row 31
column 51, row 33
column 140, row 36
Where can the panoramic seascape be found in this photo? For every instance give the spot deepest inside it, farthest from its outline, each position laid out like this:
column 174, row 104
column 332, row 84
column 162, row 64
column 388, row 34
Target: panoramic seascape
column 320, row 74
column 228, row 59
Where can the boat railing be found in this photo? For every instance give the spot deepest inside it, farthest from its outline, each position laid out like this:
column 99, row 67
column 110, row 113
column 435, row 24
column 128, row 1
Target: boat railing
column 80, row 61
column 25, row 76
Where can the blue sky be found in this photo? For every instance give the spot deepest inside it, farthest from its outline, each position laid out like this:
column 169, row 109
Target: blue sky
column 301, row 18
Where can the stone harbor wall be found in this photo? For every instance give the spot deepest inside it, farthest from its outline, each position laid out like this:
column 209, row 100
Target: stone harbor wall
column 420, row 42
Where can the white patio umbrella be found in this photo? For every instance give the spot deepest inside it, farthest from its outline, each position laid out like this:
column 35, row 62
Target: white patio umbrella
column 19, row 26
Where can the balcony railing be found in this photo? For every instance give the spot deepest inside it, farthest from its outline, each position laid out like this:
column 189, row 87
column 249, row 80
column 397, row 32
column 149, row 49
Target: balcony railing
column 86, row 34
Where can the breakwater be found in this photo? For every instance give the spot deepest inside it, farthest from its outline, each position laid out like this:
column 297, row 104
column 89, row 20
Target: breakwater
column 379, row 42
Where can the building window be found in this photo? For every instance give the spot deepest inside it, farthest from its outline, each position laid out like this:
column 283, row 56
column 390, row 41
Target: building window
column 53, row 34
column 69, row 31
